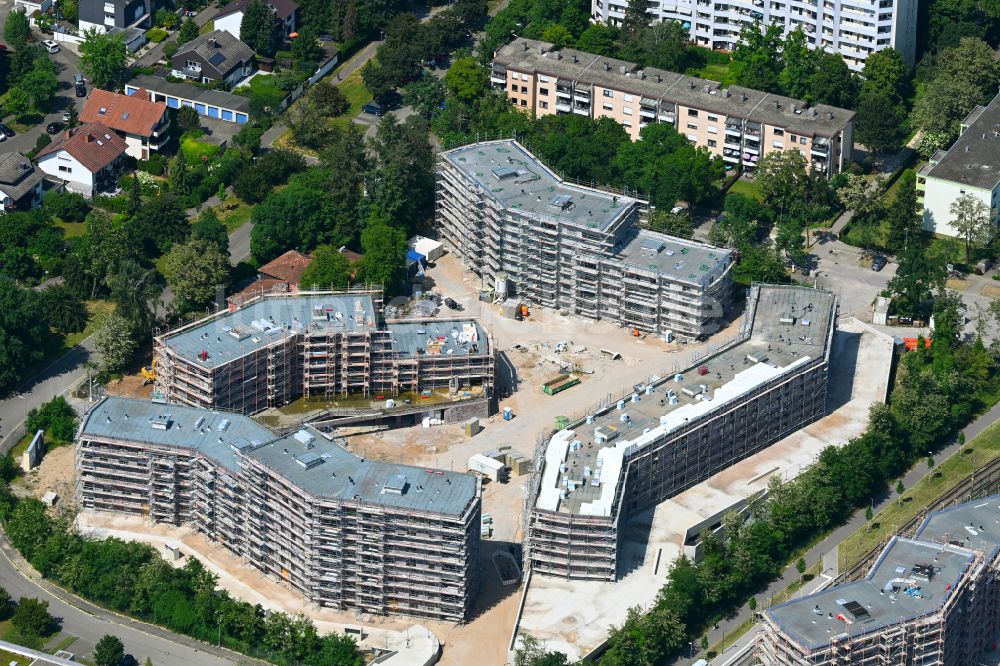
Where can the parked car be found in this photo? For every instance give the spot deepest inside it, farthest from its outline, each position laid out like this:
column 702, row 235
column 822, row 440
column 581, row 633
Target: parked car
column 81, row 90
column 6, row 131
column 373, row 108
column 66, row 116
column 54, row 128
column 452, row 304
column 879, row 262
column 51, row 46
column 3, row 137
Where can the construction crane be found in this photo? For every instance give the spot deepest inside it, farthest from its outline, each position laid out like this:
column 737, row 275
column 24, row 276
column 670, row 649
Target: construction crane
column 149, row 373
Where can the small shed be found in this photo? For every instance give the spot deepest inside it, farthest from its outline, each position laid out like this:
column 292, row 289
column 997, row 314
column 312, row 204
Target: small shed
column 880, row 312
column 488, row 467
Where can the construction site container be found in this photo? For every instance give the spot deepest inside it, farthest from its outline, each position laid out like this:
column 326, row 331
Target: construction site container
column 511, row 309
column 472, row 427
column 519, row 465
column 488, row 467
column 559, row 383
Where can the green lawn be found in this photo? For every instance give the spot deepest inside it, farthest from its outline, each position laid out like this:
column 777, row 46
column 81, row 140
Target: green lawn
column 207, row 28
column 743, row 186
column 71, row 229
column 946, row 475
column 713, row 72
column 11, row 659
column 356, row 93
column 235, row 218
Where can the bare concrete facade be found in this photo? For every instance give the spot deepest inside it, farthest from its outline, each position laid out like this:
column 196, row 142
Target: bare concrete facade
column 513, row 221
column 345, row 532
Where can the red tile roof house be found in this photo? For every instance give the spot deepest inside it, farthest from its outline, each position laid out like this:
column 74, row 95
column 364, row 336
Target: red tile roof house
column 88, row 158
column 143, row 124
column 281, row 275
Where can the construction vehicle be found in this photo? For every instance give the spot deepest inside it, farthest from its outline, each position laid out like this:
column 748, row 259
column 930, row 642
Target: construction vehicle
column 149, row 373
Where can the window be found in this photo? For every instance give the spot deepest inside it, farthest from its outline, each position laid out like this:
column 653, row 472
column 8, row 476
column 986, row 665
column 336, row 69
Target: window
column 609, row 93
column 692, row 137
column 712, row 143
column 627, row 110
column 779, row 132
column 543, row 105
column 544, row 92
column 628, row 98
column 778, row 144
column 524, row 89
column 713, row 130
column 693, row 113
column 794, row 138
column 524, row 77
column 524, row 102
column 65, row 169
column 713, row 119
column 802, row 140
column 513, row 87
column 608, row 106
column 193, row 64
column 692, row 126
column 627, row 123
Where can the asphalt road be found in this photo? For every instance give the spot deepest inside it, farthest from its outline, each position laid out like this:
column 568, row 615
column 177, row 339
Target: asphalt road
column 90, row 624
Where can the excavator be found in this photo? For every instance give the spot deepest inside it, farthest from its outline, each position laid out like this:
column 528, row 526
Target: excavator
column 149, row 373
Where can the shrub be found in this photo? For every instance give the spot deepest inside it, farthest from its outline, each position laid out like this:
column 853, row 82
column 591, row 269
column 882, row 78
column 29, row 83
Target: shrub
column 156, row 35
column 55, row 417
column 69, row 206
column 117, row 204
column 42, row 141
column 196, row 152
column 154, row 165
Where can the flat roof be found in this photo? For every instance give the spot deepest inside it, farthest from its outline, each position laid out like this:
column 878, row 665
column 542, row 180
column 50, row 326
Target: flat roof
column 455, row 337
column 911, row 578
column 974, row 524
column 219, row 98
column 788, row 327
column 517, row 180
column 658, row 84
column 974, row 159
column 306, row 458
column 238, row 332
column 683, row 260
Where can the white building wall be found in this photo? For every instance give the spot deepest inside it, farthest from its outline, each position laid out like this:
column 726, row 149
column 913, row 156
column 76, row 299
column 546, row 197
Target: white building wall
column 938, row 197
column 230, row 23
column 86, row 26
column 64, row 166
column 854, row 28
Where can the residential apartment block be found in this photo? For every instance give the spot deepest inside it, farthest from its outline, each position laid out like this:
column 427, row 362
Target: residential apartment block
column 736, row 124
column 269, row 350
column 142, row 123
column 970, row 166
column 853, row 28
column 87, row 159
column 678, row 431
column 930, row 599
column 577, row 249
column 346, row 532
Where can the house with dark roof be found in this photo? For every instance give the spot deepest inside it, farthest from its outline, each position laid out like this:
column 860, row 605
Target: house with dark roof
column 106, row 15
column 231, row 17
column 212, row 57
column 143, row 124
column 20, row 183
column 970, row 168
column 87, row 159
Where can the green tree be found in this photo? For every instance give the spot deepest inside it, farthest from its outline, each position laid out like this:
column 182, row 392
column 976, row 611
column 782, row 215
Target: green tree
column 384, row 248
column 166, row 19
column 41, row 85
column 67, row 206
column 558, row 35
column 209, row 228
column 757, row 61
column 800, row 65
column 328, row 268
column 879, row 122
column 900, row 489
column 257, row 28
column 328, row 98
column 188, row 31
column 800, row 565
column 17, row 102
column 23, row 324
column 17, row 30
column 305, row 47
column 109, row 651
column 56, row 417
column 971, row 219
column 309, row 125
column 104, row 58
column 66, row 310
column 161, row 223
column 916, row 278
column 115, row 342
column 674, row 224
column 600, row 39
column 885, row 74
column 635, row 19
column 187, row 120
column 425, row 96
column 32, row 619
column 903, row 213
column 466, row 79
column 298, row 216
column 968, row 76
column 833, row 82
column 194, row 270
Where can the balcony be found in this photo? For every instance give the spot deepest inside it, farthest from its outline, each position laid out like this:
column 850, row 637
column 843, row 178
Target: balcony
column 733, row 130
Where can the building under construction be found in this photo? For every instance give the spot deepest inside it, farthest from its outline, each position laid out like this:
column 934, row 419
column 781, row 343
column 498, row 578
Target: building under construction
column 678, row 431
column 348, row 533
column 277, row 347
column 528, row 233
column 930, row 599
